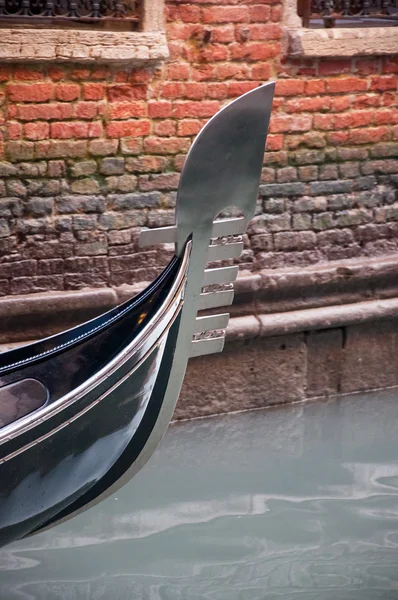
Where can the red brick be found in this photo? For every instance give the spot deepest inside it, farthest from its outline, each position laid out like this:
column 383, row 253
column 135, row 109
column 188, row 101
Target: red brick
column 148, row 164
column 261, row 71
column 117, row 129
column 388, row 99
column 206, row 108
column 281, row 124
column 365, row 100
column 67, row 92
column 24, row 74
column 184, row 31
column 127, row 110
column 159, row 110
column 380, row 83
column 259, row 31
column 390, row 65
column 188, row 127
column 237, row 88
column 339, row 103
column 395, row 133
column 5, row 73
column 189, row 14
column 75, row 129
column 314, row 139
column 176, row 49
column 324, row 122
column 166, row 145
column 94, row 91
column 338, row 138
column 165, row 128
column 164, row 181
column 203, row 72
column 354, row 119
column 385, row 117
column 173, row 90
column 367, row 66
column 334, row 67
column 37, row 131
column 276, row 14
column 259, row 12
column 31, row 112
column 95, row 129
column 178, row 71
column 213, row 52
column 274, row 142
column 34, row 92
column 217, row 90
column 195, row 91
column 103, row 147
column 368, row 136
column 56, row 74
column 346, row 84
column 307, row 104
column 223, row 34
column 82, row 74
column 254, row 51
column 225, row 14
column 232, row 71
column 86, row 110
column 14, row 130
column 314, row 87
column 127, row 92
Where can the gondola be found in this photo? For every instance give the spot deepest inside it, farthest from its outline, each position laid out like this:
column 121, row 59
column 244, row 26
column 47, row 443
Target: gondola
column 82, row 411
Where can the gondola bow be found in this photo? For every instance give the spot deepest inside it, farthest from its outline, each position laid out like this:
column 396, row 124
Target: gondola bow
column 82, row 411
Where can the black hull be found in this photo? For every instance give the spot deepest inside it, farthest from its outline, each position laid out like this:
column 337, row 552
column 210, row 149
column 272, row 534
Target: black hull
column 104, row 391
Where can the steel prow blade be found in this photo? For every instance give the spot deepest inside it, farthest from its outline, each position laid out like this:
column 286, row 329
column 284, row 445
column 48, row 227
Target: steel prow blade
column 223, row 166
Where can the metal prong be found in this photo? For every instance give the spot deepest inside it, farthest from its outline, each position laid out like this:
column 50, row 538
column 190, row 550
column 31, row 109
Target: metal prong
column 211, row 322
column 223, row 227
column 221, row 275
column 210, row 346
column 224, row 251
column 168, row 235
column 162, row 235
column 215, row 299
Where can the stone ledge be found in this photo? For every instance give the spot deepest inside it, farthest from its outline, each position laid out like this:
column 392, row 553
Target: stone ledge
column 313, row 319
column 338, row 287
column 340, row 42
column 32, row 45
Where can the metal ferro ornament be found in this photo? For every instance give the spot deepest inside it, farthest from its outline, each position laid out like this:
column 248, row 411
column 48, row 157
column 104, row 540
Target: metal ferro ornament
column 82, row 411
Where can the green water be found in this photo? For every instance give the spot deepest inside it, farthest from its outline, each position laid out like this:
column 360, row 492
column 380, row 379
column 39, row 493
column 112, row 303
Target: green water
column 295, row 503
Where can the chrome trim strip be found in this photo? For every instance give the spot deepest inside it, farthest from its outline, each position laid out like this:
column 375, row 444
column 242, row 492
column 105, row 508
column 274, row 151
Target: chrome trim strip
column 139, row 344
column 161, row 342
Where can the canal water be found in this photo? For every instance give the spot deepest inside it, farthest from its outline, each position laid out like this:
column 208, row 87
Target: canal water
column 293, row 503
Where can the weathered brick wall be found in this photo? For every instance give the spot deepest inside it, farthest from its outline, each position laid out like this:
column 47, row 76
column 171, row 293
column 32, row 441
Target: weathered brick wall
column 89, row 156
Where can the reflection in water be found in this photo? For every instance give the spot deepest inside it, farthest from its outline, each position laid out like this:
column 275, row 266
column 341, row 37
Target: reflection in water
column 295, row 503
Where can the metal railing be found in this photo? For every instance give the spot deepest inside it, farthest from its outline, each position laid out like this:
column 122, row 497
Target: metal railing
column 111, row 14
column 348, row 13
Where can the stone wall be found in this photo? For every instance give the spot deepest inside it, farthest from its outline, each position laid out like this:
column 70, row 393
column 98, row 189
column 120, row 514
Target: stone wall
column 89, row 155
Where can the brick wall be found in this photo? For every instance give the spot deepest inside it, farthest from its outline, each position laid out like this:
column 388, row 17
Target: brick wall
column 90, row 155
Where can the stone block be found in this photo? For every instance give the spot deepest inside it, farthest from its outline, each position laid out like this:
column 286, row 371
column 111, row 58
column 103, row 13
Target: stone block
column 252, row 374
column 370, row 358
column 282, row 189
column 324, row 358
column 338, row 186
